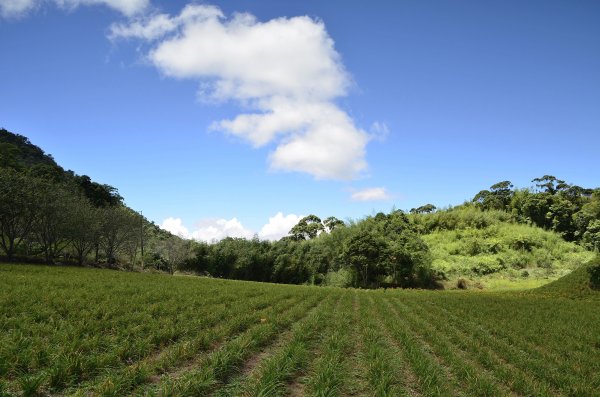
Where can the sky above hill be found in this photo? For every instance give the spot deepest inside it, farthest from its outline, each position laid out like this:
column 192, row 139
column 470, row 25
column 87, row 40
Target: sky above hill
column 237, row 117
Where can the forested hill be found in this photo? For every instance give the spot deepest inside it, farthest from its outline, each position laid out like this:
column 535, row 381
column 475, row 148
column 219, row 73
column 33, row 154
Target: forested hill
column 18, row 153
column 54, row 215
column 528, row 235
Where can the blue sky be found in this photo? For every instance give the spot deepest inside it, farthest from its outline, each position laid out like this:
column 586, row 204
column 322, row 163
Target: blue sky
column 397, row 103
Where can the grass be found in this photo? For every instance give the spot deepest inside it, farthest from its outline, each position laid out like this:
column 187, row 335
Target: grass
column 87, row 332
column 503, row 256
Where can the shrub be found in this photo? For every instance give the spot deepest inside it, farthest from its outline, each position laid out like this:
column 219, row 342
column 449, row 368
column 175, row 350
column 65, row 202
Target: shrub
column 340, row 278
column 595, row 275
column 461, row 283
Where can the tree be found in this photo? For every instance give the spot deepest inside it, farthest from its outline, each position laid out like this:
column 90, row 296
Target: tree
column 176, row 251
column 54, row 219
column 332, row 223
column 99, row 195
column 549, row 184
column 364, row 251
column 591, row 237
column 19, row 206
column 424, row 209
column 9, row 154
column 85, row 230
column 307, row 228
column 498, row 197
column 118, row 226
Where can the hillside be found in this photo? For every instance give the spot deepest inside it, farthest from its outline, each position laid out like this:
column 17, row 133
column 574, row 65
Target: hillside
column 52, row 215
column 575, row 284
column 504, row 254
column 502, row 238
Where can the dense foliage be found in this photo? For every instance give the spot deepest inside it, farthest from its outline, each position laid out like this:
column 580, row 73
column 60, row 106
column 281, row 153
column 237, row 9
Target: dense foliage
column 379, row 250
column 552, row 204
column 594, row 271
column 49, row 214
column 80, row 332
column 52, row 215
column 468, row 242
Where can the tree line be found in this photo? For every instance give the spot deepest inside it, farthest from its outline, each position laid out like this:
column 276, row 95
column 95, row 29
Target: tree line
column 552, row 204
column 57, row 216
column 380, row 250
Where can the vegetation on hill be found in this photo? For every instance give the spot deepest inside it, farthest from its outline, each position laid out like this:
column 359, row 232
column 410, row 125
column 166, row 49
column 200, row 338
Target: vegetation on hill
column 581, row 282
column 73, row 332
column 52, row 215
column 481, row 246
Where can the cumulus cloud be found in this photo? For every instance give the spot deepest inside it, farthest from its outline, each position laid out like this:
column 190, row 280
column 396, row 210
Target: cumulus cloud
column 285, row 70
column 175, row 226
column 210, row 230
column 215, row 230
column 17, row 8
column 371, row 194
column 278, row 226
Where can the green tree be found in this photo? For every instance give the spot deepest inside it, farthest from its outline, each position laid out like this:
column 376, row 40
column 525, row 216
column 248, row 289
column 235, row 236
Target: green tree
column 85, row 229
column 591, row 237
column 118, row 226
column 498, row 197
column 307, row 228
column 549, row 184
column 332, row 223
column 364, row 251
column 424, row 209
column 52, row 225
column 19, row 207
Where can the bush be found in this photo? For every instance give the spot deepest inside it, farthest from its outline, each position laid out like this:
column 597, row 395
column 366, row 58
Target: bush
column 341, row 278
column 595, row 275
column 461, row 283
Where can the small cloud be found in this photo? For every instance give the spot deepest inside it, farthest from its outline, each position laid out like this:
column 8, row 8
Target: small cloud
column 379, row 131
column 18, row 8
column 371, row 194
column 175, row 226
column 278, row 226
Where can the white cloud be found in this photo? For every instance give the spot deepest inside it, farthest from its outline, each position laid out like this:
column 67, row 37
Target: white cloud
column 379, row 131
column 371, row 194
column 175, row 226
column 286, row 70
column 278, row 226
column 214, row 230
column 211, row 230
column 16, row 8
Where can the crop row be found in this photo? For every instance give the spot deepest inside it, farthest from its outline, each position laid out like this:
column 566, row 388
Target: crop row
column 89, row 333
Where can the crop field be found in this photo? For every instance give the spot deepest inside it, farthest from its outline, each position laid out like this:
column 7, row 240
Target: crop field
column 85, row 332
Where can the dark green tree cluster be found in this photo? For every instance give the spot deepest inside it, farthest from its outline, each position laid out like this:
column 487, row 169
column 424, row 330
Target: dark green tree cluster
column 553, row 204
column 377, row 251
column 42, row 218
column 49, row 214
column 594, row 272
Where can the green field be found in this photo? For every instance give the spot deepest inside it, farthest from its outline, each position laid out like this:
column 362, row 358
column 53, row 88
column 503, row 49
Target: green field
column 70, row 331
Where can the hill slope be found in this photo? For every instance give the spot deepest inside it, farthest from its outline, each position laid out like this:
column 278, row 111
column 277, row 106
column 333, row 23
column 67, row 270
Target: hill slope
column 492, row 251
column 575, row 284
